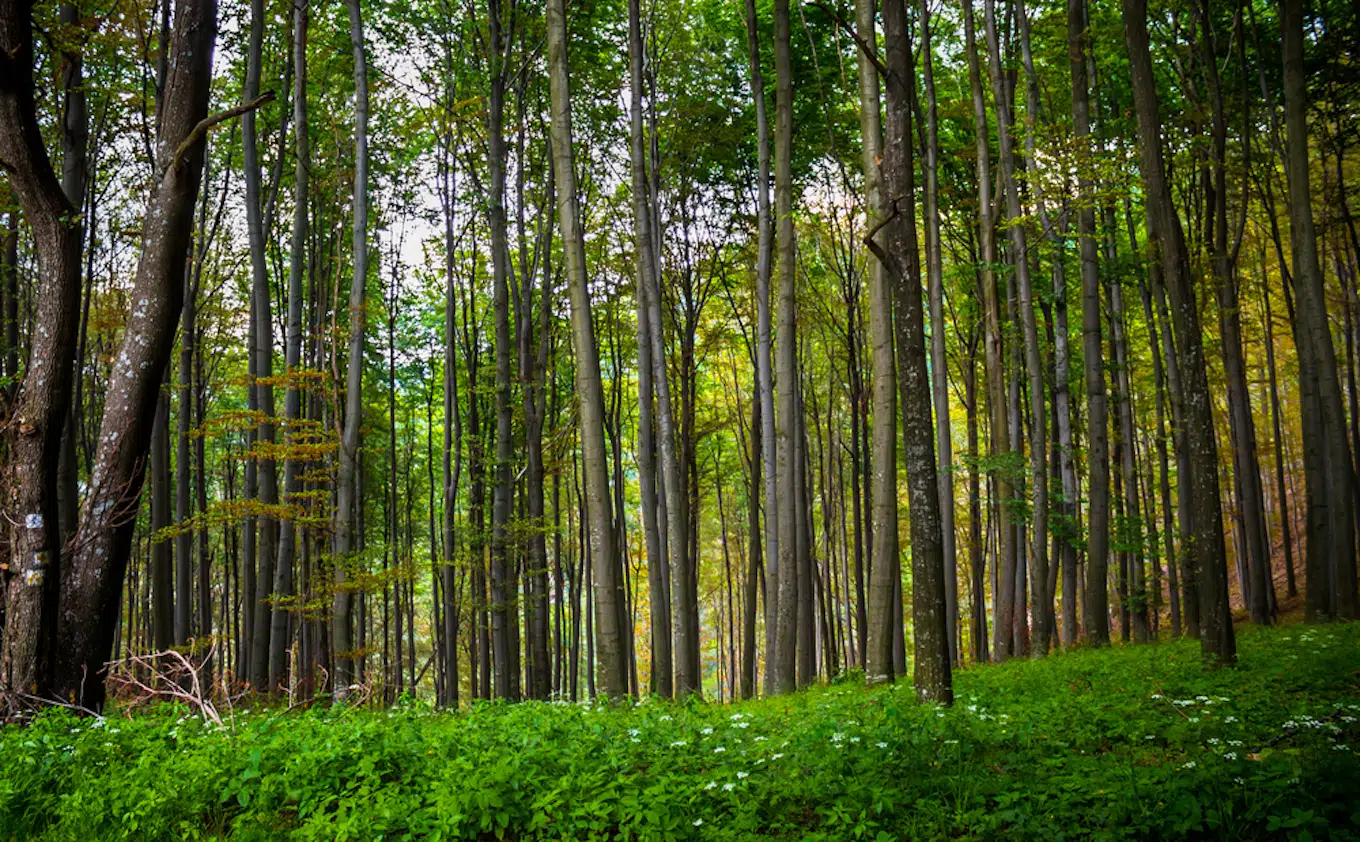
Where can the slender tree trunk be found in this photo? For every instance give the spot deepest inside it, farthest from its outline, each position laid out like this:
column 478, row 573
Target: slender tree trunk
column 1277, row 436
column 784, row 653
column 347, row 497
column 1033, row 362
column 1097, row 611
column 999, row 444
column 74, row 182
column 292, row 402
column 1206, row 545
column 764, row 363
column 657, row 567
column 162, row 549
column 612, row 677
column 755, row 561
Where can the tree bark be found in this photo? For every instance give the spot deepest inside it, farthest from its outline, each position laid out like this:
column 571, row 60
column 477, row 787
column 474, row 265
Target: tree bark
column 1097, row 608
column 292, row 402
column 999, row 443
column 939, row 365
column 612, row 662
column 1329, row 566
column 347, row 498
column 764, row 362
column 785, row 582
column 1033, row 362
column 663, row 670
column 932, row 668
column 91, row 592
column 27, row 646
column 1205, row 545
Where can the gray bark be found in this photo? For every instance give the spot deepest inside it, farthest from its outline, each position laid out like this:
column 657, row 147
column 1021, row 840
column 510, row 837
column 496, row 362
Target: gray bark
column 612, row 661
column 346, row 497
column 1206, row 545
column 1097, row 607
column 90, row 593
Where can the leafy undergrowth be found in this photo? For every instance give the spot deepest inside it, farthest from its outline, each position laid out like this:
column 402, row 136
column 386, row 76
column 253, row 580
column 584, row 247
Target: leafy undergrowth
column 1135, row 742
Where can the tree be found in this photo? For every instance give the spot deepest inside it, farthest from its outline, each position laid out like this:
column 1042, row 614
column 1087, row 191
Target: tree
column 612, row 664
column 30, row 621
column 92, row 585
column 1203, row 540
column 1329, row 567
column 346, row 498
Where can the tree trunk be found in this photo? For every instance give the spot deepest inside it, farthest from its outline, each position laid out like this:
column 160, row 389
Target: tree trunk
column 783, row 657
column 1329, row 566
column 662, row 664
column 932, row 663
column 1277, row 436
column 764, row 363
column 90, row 593
column 999, row 444
column 347, row 498
column 1033, row 363
column 292, row 402
column 1206, row 545
column 939, row 365
column 28, row 641
column 1097, row 608
column 612, row 662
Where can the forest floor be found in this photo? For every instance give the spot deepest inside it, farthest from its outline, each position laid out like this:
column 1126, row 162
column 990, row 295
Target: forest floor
column 1138, row 742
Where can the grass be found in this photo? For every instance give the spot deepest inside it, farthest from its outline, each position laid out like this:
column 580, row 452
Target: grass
column 1128, row 743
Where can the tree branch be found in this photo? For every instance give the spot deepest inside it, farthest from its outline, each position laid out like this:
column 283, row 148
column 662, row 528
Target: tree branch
column 201, row 130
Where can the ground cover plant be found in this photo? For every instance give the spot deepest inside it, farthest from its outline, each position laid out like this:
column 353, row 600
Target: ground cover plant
column 1125, row 743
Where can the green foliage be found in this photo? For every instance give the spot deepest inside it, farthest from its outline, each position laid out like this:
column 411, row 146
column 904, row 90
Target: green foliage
column 1130, row 743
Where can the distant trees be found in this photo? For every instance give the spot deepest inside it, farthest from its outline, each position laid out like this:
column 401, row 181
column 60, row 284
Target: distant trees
column 683, row 325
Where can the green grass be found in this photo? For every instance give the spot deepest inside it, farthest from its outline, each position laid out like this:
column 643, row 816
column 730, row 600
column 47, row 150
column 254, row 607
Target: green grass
column 1134, row 742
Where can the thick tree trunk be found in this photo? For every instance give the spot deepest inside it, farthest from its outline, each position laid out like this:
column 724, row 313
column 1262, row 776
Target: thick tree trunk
column 939, row 365
column 932, row 662
column 90, row 593
column 1329, row 567
column 28, row 640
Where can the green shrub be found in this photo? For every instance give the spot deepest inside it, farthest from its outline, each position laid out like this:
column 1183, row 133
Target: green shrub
column 1129, row 743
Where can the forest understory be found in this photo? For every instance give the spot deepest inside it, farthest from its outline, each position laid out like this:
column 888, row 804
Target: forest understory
column 1132, row 742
